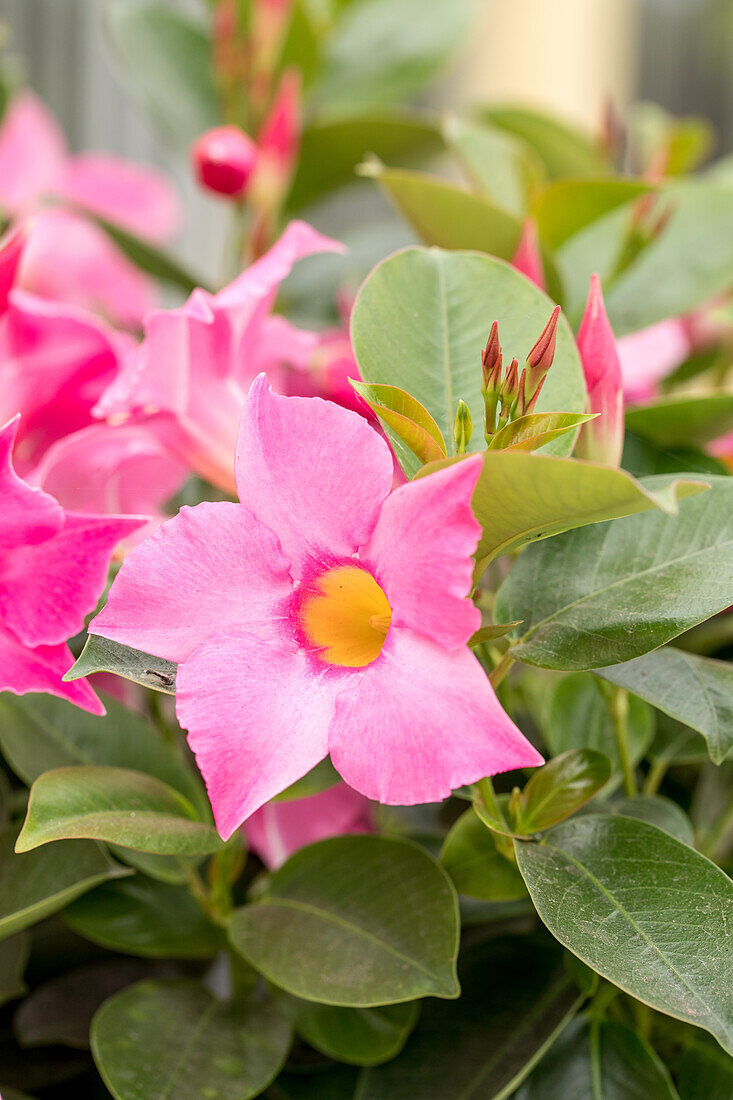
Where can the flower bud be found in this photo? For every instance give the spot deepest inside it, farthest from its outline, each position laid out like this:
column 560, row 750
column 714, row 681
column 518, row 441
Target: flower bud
column 528, row 258
column 509, row 396
column 463, row 428
column 491, row 380
column 602, row 439
column 224, row 159
column 539, row 362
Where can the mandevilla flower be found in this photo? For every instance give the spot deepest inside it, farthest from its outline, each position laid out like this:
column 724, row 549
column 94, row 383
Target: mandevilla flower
column 602, row 439
column 321, row 614
column 649, row 355
column 278, row 829
column 53, row 568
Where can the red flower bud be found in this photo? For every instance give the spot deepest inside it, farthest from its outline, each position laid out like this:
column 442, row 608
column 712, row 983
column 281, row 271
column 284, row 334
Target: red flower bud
column 539, row 362
column 528, row 257
column 224, row 159
column 602, row 439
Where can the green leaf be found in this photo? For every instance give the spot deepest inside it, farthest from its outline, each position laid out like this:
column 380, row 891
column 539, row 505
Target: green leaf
column 609, row 593
column 319, row 934
column 407, row 418
column 101, row 655
column 697, row 691
column 477, row 869
column 421, row 319
column 143, row 917
column 166, row 59
column 530, row 432
column 40, row 732
column 386, row 50
column 705, row 1073
column 115, row 805
column 37, row 884
column 489, row 633
column 334, row 1083
column 517, row 997
column 577, row 717
column 565, row 207
column 332, row 148
column 643, row 459
column 564, row 150
column 357, row 1036
column 502, row 167
column 561, row 787
column 153, row 261
column 164, row 1039
column 320, row 778
column 13, row 958
column 682, row 420
column 597, row 1058
column 654, row 809
column 645, row 911
column 522, row 497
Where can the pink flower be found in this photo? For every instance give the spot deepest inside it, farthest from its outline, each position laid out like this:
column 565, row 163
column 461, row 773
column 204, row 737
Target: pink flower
column 602, row 439
column 651, row 354
column 223, row 160
column 68, row 257
column 322, row 614
column 53, row 568
column 278, row 829
column 196, row 363
column 528, row 257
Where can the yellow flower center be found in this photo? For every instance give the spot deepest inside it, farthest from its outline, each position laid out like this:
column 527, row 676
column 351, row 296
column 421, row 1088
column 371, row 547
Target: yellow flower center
column 345, row 617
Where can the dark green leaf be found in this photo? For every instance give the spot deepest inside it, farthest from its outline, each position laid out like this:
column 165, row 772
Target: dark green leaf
column 334, row 925
column 143, row 917
column 643, row 459
column 163, row 1039
column 101, row 655
column 358, row 1036
column 318, row 779
column 697, row 691
column 609, row 593
column 645, row 911
column 335, row 1083
column 705, row 1073
column 517, row 996
column 148, row 258
column 115, row 805
column 599, row 1059
column 564, row 150
column 477, row 869
column 37, row 884
column 167, row 58
column 655, row 809
column 13, row 957
column 561, row 787
column 682, row 420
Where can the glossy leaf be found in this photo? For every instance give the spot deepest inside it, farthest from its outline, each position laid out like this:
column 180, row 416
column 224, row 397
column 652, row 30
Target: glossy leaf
column 37, row 884
column 357, row 1036
column 421, row 319
column 643, row 910
column 697, row 691
column 561, row 787
column 477, row 869
column 13, row 958
column 598, row 1058
column 167, row 58
column 164, row 1039
column 116, row 805
column 318, row 933
column 143, row 917
column 102, row 655
column 683, row 420
column 502, row 167
column 654, row 809
column 564, row 150
column 566, row 206
column 530, row 432
column 609, row 593
column 484, row 1044
column 489, row 633
column 407, row 418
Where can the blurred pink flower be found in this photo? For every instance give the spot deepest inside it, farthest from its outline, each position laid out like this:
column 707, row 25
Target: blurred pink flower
column 602, row 439
column 528, row 257
column 53, row 568
column 278, row 829
column 69, row 258
column 651, row 354
column 344, row 608
column 196, row 363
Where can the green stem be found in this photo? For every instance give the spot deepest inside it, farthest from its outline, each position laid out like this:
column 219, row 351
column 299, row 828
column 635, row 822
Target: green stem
column 501, row 670
column 617, row 701
column 716, row 833
column 487, row 793
column 656, row 774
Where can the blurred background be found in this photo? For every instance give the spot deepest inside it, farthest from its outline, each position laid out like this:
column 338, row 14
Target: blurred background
column 568, row 56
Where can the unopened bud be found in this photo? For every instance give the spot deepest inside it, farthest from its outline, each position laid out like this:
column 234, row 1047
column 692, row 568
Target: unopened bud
column 602, row 439
column 223, row 160
column 463, row 428
column 539, row 362
column 491, row 361
column 509, row 396
column 528, row 258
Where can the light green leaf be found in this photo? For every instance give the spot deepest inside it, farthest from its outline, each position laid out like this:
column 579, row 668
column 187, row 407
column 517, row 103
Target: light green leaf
column 504, row 168
column 477, row 869
column 565, row 150
column 609, row 593
column 357, row 1036
column 157, row 1040
column 318, row 779
column 115, row 805
column 683, row 420
column 422, row 318
column 645, row 911
column 561, row 787
column 697, row 691
column 101, row 655
column 532, row 431
column 407, row 418
column 566, row 206
column 37, row 884
column 319, row 934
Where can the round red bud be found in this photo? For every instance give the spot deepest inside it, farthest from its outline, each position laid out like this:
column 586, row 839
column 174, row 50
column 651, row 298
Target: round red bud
column 224, row 159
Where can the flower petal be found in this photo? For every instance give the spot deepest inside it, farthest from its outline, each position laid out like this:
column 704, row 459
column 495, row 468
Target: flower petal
column 278, row 829
column 32, row 152
column 421, row 722
column 139, row 199
column 315, row 473
column 47, row 588
column 257, row 716
column 27, row 515
column 421, row 552
column 23, row 669
column 209, row 569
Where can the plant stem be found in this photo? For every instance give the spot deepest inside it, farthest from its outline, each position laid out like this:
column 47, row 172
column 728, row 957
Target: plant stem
column 723, row 824
column 617, row 701
column 501, row 670
column 488, row 797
